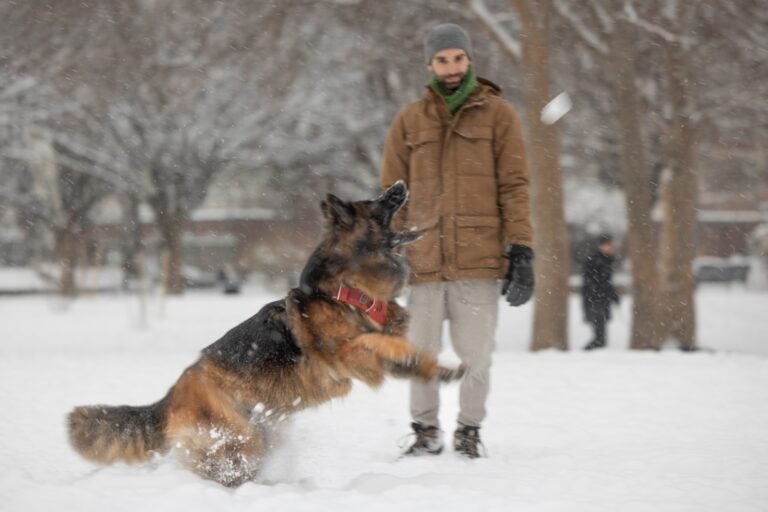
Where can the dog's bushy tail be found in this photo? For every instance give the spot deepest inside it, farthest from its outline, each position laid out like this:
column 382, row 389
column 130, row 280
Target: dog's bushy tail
column 106, row 434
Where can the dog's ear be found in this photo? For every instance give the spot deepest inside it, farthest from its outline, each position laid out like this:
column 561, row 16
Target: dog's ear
column 390, row 202
column 337, row 212
column 394, row 197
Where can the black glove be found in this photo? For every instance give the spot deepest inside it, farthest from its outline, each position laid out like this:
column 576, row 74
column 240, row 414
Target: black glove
column 518, row 283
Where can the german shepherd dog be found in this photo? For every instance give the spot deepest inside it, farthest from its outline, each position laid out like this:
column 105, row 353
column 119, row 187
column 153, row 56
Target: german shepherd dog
column 340, row 324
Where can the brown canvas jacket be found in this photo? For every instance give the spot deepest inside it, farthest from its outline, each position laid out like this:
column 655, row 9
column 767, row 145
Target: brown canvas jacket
column 468, row 181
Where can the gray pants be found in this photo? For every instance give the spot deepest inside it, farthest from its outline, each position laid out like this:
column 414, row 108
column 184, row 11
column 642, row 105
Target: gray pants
column 471, row 307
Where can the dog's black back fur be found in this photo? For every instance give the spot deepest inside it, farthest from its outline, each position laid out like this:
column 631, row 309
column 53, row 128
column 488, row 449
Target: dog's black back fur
column 262, row 342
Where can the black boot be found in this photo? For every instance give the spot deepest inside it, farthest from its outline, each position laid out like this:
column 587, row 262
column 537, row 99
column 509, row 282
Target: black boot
column 466, row 441
column 428, row 440
column 592, row 345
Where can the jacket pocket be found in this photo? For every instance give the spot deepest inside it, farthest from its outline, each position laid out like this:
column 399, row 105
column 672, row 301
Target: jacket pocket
column 425, row 153
column 475, row 150
column 478, row 242
column 425, row 254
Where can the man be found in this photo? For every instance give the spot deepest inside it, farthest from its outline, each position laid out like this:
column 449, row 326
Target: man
column 597, row 290
column 460, row 151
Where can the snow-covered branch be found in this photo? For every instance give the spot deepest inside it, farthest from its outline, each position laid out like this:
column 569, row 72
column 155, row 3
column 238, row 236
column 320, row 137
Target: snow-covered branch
column 606, row 21
column 590, row 38
column 494, row 24
column 631, row 15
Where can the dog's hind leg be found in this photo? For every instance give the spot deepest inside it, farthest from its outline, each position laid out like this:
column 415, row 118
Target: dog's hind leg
column 208, row 435
column 230, row 454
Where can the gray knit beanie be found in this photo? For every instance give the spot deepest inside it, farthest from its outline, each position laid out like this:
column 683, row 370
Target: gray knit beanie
column 445, row 36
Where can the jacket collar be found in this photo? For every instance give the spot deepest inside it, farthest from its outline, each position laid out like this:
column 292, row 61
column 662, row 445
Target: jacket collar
column 478, row 97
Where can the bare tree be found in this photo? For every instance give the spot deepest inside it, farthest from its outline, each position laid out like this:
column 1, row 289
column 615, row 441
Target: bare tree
column 176, row 111
column 671, row 26
column 44, row 188
column 668, row 106
column 613, row 40
column 532, row 54
column 51, row 192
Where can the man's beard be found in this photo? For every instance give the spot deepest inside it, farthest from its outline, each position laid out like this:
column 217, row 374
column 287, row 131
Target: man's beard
column 451, row 86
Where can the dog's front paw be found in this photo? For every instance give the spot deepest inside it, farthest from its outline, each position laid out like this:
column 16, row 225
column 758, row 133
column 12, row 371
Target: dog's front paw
column 450, row 374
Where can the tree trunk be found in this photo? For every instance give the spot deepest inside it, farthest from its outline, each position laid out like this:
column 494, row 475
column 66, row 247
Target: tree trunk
column 67, row 255
column 551, row 264
column 645, row 332
column 173, row 230
column 133, row 251
column 678, row 229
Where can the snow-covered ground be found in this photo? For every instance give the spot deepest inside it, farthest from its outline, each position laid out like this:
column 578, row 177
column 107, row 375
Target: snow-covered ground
column 613, row 431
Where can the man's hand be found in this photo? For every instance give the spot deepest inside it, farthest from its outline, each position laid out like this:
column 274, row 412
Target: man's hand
column 518, row 283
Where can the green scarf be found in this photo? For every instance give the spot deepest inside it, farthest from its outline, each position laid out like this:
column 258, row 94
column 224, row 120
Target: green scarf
column 456, row 98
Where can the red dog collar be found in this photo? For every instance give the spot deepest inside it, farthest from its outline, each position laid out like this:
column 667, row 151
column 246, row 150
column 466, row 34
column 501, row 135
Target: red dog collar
column 375, row 309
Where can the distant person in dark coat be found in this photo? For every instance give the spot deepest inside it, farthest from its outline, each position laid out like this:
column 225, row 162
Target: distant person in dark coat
column 597, row 289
